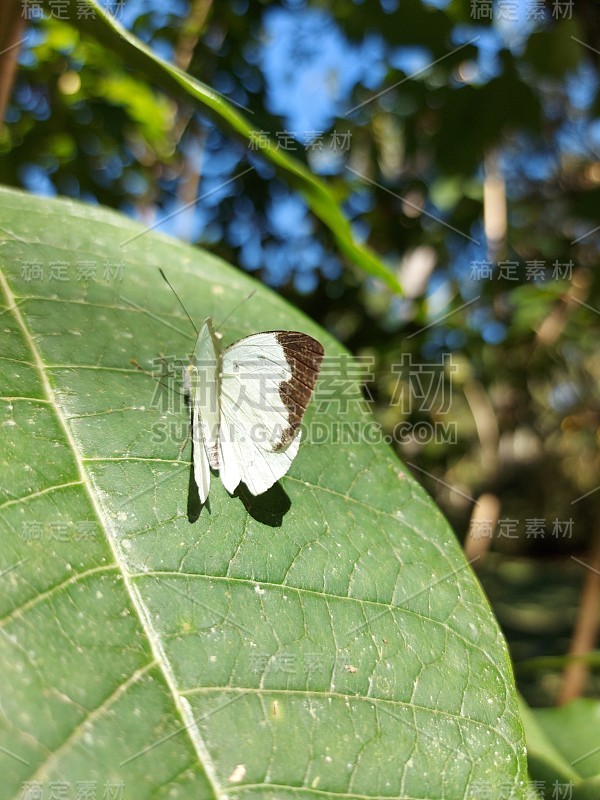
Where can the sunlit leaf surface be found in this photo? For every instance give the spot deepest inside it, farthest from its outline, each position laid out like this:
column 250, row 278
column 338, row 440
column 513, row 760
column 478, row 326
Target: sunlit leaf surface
column 325, row 640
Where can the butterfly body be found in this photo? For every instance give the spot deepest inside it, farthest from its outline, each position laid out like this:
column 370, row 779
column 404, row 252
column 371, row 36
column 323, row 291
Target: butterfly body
column 247, row 403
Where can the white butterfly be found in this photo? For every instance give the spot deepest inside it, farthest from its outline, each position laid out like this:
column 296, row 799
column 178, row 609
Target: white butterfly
column 247, row 404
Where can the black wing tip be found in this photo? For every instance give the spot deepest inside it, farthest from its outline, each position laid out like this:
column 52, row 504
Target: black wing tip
column 304, row 355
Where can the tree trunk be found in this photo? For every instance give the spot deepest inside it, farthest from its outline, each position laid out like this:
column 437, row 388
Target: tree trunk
column 12, row 28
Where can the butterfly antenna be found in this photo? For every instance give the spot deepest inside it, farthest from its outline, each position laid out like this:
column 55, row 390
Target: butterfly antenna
column 168, row 282
column 235, row 308
column 134, row 363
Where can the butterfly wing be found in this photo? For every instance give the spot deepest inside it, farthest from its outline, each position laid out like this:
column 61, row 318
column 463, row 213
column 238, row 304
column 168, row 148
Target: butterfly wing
column 201, row 465
column 266, row 381
column 202, row 384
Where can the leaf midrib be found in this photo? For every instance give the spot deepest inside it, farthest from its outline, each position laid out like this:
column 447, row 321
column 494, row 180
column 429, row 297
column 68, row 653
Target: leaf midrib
column 183, row 712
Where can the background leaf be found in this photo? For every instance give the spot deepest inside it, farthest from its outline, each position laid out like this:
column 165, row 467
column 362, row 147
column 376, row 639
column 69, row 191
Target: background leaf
column 90, row 18
column 563, row 746
column 546, row 763
column 325, row 639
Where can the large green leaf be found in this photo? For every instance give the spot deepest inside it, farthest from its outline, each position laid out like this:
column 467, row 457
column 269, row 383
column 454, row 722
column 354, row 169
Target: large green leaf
column 325, row 640
column 90, row 18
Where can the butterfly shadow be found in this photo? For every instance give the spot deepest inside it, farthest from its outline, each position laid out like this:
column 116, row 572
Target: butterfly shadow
column 268, row 508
